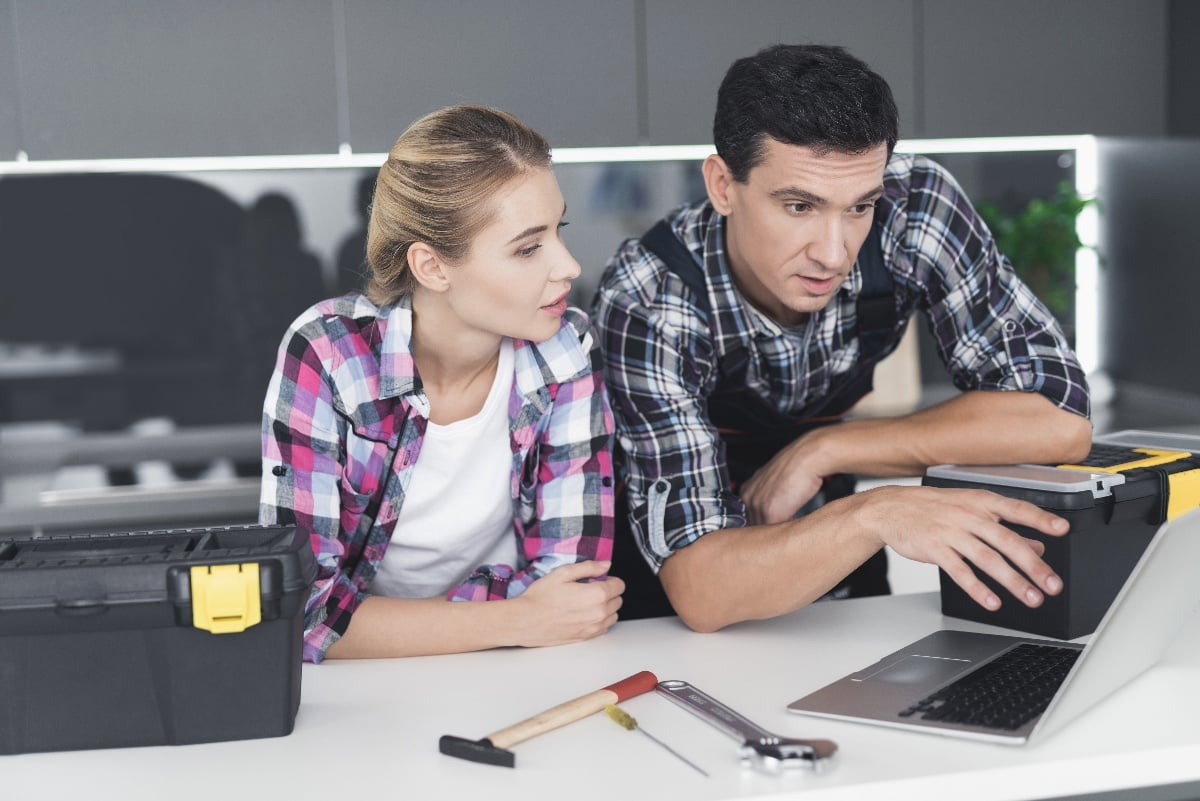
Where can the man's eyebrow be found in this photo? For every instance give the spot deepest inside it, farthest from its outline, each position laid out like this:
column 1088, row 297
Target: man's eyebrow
column 534, row 229
column 795, row 193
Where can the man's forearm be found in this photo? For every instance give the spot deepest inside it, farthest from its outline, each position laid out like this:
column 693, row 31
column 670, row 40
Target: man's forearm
column 758, row 572
column 972, row 428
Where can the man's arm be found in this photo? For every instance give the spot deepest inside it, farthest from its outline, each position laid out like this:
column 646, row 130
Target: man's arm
column 762, row 571
column 973, row 428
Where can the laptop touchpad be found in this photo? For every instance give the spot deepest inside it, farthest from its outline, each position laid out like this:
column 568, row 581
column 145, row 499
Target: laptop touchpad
column 916, row 669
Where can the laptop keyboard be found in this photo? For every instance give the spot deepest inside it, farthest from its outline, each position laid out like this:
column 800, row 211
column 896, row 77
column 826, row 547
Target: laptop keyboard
column 1005, row 693
column 1109, row 456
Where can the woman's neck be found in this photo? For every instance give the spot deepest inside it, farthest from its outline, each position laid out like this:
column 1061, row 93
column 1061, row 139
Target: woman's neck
column 457, row 364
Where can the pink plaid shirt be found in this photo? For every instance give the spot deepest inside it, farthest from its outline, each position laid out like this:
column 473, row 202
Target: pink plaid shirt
column 343, row 424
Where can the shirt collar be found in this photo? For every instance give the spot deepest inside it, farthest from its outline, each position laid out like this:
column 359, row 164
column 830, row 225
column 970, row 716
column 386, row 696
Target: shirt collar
column 556, row 360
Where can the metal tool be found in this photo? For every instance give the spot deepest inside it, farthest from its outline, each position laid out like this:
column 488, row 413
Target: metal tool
column 492, row 750
column 760, row 749
column 628, row 721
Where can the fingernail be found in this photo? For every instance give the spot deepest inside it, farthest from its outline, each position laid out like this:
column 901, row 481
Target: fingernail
column 992, row 602
column 1033, row 597
column 1053, row 584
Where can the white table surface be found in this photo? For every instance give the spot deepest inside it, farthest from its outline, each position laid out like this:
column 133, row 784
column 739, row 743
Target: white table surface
column 369, row 729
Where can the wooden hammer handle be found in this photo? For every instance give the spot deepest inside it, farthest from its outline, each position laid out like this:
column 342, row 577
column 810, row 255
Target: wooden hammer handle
column 574, row 710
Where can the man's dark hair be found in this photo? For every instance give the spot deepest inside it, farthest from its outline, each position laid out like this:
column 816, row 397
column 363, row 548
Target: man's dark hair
column 813, row 95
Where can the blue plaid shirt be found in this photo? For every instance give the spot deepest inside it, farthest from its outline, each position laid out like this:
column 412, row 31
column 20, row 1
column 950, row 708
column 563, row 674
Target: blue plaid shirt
column 662, row 351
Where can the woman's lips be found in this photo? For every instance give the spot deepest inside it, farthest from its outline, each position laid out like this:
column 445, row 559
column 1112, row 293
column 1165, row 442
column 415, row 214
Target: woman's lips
column 558, row 308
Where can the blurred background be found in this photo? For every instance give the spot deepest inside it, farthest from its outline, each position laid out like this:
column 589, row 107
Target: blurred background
column 179, row 180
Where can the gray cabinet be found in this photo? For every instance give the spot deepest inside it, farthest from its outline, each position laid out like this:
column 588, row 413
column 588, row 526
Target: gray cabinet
column 124, row 78
column 568, row 69
column 10, row 141
column 1044, row 67
column 691, row 43
column 145, row 78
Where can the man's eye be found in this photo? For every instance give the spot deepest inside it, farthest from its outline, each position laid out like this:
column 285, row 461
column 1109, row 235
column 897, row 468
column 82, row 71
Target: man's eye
column 864, row 208
column 797, row 208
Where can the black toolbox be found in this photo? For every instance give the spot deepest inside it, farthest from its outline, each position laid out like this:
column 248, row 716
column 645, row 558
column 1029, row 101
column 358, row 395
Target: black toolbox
column 151, row 638
column 1115, row 500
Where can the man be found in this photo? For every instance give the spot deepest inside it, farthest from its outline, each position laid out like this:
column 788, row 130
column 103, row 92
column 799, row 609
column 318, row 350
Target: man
column 740, row 326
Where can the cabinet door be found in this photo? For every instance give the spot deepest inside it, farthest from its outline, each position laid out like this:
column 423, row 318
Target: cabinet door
column 144, row 78
column 691, row 43
column 1037, row 67
column 10, row 139
column 567, row 69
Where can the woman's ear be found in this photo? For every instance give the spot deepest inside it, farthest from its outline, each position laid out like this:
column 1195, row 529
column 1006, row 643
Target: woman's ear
column 717, row 180
column 427, row 267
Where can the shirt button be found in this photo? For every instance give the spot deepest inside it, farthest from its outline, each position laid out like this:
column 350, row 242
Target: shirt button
column 606, row 481
column 279, row 470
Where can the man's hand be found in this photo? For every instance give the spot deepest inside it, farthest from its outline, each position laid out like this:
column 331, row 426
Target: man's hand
column 558, row 608
column 949, row 527
column 783, row 485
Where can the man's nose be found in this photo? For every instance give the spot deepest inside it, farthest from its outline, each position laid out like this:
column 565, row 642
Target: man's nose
column 829, row 249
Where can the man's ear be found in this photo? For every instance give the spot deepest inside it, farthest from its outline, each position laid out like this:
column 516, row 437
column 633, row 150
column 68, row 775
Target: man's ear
column 427, row 267
column 718, row 179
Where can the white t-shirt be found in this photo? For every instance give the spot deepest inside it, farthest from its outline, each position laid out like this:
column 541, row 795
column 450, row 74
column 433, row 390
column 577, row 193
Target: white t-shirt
column 458, row 508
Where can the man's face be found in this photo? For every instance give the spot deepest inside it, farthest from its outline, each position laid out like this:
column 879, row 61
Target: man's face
column 795, row 226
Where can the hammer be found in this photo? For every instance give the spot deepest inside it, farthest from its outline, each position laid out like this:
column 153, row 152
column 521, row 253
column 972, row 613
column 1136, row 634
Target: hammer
column 491, row 749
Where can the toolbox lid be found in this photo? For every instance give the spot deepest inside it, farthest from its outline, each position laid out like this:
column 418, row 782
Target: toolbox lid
column 77, row 571
column 1134, row 438
column 1030, row 476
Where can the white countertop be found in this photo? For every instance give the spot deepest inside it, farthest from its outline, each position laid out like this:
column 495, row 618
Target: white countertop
column 370, row 729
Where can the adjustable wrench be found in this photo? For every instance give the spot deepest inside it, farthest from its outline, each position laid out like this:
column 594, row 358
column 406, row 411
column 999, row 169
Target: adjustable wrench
column 760, row 749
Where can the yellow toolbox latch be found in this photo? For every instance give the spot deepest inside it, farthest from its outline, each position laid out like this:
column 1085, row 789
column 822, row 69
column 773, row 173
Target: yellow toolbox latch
column 1184, row 493
column 225, row 598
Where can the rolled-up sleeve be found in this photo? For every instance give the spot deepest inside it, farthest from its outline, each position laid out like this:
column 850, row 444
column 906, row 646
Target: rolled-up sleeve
column 659, row 363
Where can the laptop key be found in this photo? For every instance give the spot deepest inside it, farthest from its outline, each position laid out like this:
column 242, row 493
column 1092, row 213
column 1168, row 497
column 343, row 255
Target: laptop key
column 1004, row 693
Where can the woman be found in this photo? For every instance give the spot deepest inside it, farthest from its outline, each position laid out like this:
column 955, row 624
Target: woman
column 446, row 435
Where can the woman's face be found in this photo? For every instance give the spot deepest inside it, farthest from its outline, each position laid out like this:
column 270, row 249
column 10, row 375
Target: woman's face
column 515, row 279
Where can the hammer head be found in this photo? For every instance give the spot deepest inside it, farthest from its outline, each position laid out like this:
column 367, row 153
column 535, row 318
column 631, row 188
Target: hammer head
column 476, row 751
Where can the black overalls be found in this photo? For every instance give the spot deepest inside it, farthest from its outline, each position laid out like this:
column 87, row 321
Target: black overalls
column 753, row 431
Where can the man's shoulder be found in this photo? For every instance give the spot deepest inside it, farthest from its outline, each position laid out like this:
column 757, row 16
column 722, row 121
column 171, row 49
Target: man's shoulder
column 637, row 275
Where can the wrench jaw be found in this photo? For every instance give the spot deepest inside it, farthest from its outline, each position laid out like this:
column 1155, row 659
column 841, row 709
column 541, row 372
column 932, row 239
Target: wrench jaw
column 774, row 755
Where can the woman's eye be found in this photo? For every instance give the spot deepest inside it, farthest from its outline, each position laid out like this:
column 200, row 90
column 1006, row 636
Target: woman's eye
column 529, row 251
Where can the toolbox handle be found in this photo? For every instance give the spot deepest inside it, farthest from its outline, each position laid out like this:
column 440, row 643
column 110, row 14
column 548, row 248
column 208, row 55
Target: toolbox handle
column 81, row 607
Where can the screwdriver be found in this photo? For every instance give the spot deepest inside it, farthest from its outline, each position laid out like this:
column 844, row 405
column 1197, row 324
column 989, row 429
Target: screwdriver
column 628, row 721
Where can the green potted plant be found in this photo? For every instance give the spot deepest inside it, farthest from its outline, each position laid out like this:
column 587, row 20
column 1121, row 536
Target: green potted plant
column 1040, row 241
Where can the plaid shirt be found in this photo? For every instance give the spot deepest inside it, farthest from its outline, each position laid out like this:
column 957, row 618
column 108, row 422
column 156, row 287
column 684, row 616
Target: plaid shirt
column 662, row 352
column 343, row 424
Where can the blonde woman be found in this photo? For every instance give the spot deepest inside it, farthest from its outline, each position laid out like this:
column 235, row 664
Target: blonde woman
column 445, row 436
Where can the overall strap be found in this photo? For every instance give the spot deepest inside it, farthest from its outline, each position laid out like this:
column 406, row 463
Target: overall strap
column 876, row 305
column 663, row 243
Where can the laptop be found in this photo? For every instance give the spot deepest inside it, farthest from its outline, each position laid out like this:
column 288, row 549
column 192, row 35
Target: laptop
column 947, row 683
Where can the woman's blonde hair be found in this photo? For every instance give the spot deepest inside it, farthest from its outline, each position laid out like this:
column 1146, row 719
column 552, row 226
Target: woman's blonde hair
column 436, row 187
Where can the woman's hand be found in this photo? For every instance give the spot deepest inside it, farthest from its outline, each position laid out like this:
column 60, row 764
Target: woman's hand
column 561, row 607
